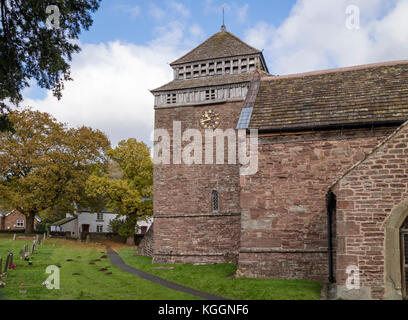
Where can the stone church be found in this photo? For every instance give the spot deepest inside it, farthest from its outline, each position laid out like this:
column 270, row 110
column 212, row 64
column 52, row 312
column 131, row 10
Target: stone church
column 331, row 191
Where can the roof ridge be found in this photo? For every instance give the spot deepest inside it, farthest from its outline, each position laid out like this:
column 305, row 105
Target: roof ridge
column 208, row 40
column 194, row 49
column 243, row 42
column 369, row 154
column 336, row 70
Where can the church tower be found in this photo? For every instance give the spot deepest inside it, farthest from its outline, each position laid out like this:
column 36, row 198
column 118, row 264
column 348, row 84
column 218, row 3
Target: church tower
column 197, row 207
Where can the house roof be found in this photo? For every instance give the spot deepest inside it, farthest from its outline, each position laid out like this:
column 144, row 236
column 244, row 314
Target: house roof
column 221, row 45
column 205, row 82
column 370, row 94
column 63, row 221
column 6, row 214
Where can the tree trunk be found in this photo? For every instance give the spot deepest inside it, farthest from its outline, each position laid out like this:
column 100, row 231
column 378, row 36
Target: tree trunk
column 130, row 240
column 29, row 229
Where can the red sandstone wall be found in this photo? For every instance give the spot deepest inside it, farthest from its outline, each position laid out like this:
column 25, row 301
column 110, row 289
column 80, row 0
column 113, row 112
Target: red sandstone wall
column 366, row 197
column 186, row 230
column 284, row 233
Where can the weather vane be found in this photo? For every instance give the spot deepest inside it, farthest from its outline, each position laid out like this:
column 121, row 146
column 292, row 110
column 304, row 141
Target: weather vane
column 223, row 28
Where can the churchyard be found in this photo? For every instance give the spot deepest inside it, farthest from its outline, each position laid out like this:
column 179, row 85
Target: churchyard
column 80, row 278
column 87, row 274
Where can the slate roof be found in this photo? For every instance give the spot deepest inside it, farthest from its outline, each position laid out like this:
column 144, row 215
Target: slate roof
column 206, row 82
column 370, row 94
column 221, row 45
column 63, row 221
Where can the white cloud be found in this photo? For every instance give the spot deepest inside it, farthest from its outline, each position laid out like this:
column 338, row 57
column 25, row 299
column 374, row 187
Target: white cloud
column 242, row 12
column 196, row 31
column 315, row 36
column 180, row 8
column 134, row 11
column 112, row 80
column 111, row 87
column 156, row 12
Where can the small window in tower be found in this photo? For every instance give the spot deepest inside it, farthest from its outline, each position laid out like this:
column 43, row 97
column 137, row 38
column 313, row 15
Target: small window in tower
column 215, row 201
column 210, row 94
column 171, row 98
column 235, row 70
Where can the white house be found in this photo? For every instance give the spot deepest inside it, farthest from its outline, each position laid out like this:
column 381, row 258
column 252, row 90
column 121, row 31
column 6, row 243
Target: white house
column 87, row 222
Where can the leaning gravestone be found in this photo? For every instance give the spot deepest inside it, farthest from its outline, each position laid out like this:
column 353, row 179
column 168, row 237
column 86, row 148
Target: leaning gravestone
column 33, row 247
column 14, row 237
column 9, row 262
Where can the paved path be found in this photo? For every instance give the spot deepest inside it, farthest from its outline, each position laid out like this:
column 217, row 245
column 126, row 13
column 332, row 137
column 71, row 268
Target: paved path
column 117, row 261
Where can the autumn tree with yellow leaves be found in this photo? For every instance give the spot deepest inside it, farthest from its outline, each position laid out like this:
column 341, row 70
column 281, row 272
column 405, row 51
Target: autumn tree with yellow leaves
column 44, row 165
column 127, row 185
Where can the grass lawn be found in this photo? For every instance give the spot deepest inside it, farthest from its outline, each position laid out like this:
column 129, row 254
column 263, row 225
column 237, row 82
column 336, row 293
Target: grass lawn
column 215, row 279
column 91, row 284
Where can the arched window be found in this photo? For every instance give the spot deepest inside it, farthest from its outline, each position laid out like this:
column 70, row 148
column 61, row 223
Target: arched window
column 215, row 201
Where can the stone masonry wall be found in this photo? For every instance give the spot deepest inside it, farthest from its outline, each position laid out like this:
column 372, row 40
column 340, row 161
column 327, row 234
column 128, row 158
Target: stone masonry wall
column 186, row 228
column 145, row 247
column 365, row 198
column 284, row 224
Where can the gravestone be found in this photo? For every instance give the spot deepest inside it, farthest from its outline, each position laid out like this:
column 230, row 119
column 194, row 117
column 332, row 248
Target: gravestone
column 88, row 238
column 38, row 240
column 1, row 264
column 45, row 235
column 9, row 262
column 33, row 247
column 14, row 237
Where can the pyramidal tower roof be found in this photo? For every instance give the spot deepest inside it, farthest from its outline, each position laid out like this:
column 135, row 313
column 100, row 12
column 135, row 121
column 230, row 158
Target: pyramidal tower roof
column 221, row 45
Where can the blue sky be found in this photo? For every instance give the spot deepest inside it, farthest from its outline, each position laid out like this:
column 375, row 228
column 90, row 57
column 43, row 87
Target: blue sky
column 127, row 50
column 132, row 21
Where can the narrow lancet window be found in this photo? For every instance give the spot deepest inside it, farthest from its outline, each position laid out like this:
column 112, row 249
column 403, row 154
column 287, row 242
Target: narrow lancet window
column 215, row 201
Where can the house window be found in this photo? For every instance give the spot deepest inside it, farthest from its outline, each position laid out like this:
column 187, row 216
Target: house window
column 215, row 201
column 99, row 216
column 99, row 229
column 20, row 223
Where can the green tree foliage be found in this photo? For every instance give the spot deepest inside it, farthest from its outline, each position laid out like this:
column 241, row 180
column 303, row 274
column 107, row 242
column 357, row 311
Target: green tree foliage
column 31, row 50
column 128, row 194
column 44, row 165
